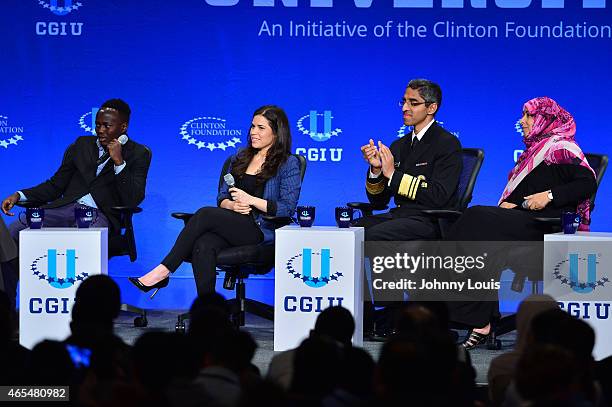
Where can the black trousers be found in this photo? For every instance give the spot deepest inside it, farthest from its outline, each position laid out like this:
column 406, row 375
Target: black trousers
column 393, row 226
column 491, row 223
column 209, row 231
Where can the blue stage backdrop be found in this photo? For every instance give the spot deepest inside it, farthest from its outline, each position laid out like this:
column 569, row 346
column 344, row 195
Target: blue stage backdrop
column 194, row 71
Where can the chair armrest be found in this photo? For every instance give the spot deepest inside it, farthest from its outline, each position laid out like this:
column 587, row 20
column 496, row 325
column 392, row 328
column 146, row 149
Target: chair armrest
column 278, row 221
column 127, row 209
column 184, row 216
column 366, row 207
column 549, row 221
column 442, row 213
column 29, row 204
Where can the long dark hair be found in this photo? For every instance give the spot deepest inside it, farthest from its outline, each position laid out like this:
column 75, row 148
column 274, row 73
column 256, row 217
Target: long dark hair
column 279, row 150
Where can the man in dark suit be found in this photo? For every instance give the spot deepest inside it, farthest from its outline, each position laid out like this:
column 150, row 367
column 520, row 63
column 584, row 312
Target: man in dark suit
column 97, row 172
column 420, row 170
column 8, row 249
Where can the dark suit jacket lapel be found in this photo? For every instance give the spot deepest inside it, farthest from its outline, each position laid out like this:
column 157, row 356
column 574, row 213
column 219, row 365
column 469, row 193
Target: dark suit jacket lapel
column 107, row 167
column 87, row 163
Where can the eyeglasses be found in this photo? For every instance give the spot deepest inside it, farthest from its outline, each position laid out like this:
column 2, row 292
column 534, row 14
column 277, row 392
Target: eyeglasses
column 412, row 103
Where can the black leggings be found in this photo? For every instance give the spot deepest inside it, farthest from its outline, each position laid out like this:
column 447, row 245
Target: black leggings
column 209, row 231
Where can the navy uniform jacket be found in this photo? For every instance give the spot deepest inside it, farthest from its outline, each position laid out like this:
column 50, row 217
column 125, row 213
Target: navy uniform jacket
column 281, row 191
column 426, row 177
column 76, row 177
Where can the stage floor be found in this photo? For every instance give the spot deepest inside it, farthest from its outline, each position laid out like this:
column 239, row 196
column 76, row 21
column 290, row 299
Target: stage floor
column 263, row 332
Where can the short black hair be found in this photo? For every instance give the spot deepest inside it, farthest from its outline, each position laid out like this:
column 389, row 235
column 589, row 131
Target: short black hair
column 119, row 105
column 337, row 323
column 97, row 300
column 428, row 90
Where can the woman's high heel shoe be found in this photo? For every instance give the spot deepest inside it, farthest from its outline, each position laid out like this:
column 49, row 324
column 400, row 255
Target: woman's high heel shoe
column 146, row 288
column 475, row 339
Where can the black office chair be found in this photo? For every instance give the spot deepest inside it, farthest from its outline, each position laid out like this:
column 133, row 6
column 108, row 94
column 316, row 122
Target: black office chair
column 240, row 262
column 124, row 244
column 599, row 163
column 472, row 162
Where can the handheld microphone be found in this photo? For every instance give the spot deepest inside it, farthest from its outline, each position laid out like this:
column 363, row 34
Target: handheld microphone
column 122, row 139
column 525, row 204
column 229, row 180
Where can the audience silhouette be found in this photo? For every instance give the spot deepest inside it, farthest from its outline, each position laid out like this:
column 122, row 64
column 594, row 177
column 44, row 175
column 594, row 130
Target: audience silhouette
column 212, row 365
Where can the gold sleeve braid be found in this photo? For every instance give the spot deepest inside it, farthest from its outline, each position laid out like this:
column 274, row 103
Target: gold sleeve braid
column 375, row 188
column 409, row 186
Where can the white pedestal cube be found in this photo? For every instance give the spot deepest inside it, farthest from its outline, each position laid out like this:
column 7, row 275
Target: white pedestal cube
column 315, row 268
column 52, row 264
column 578, row 274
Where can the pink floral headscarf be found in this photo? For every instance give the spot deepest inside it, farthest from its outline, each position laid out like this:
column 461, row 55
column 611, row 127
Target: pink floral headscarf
column 551, row 140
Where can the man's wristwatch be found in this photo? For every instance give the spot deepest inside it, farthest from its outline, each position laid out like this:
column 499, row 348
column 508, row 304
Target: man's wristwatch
column 550, row 195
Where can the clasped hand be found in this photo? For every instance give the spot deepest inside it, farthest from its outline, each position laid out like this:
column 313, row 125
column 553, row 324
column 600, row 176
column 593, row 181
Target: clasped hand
column 537, row 202
column 115, row 152
column 379, row 159
column 241, row 201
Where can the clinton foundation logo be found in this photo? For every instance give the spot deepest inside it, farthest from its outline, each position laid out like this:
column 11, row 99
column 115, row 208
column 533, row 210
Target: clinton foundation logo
column 10, row 134
column 210, row 133
column 318, row 126
column 60, row 8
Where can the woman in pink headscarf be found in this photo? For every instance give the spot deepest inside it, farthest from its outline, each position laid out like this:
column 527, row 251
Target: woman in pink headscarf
column 550, row 177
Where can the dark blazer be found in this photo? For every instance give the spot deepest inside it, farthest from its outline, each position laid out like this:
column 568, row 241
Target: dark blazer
column 76, row 177
column 8, row 248
column 281, row 191
column 426, row 177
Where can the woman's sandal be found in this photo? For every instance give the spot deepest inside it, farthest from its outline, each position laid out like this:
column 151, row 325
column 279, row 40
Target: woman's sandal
column 475, row 339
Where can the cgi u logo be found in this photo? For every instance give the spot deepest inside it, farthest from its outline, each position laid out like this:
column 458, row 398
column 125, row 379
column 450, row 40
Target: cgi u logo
column 309, row 126
column 307, row 268
column 52, row 269
column 60, row 7
column 327, row 125
column 94, row 113
column 583, row 288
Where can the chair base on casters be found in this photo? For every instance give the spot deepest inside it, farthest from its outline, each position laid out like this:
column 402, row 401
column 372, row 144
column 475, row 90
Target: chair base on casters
column 141, row 320
column 500, row 327
column 239, row 306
